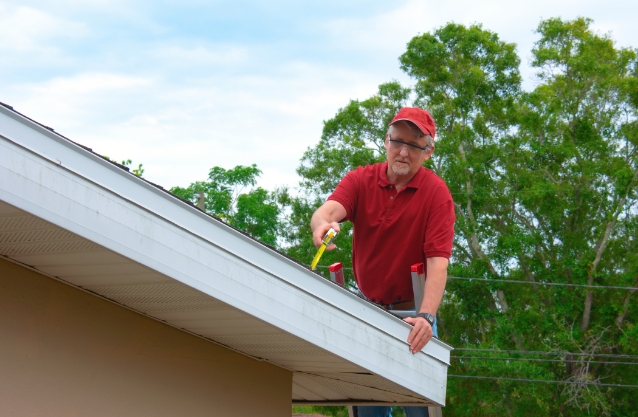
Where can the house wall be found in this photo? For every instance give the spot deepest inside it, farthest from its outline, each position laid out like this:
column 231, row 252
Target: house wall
column 64, row 352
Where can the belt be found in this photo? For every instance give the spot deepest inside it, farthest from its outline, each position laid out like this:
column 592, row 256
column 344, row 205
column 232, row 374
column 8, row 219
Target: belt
column 401, row 305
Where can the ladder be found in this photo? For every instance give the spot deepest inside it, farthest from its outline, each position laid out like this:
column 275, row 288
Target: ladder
column 418, row 285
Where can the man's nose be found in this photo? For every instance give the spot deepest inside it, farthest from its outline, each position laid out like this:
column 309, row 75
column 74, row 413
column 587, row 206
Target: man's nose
column 404, row 152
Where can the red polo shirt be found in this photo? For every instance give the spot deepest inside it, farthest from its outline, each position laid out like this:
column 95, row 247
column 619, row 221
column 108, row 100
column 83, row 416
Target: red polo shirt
column 393, row 231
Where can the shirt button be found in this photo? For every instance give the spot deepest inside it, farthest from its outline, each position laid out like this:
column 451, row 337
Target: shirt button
column 391, row 198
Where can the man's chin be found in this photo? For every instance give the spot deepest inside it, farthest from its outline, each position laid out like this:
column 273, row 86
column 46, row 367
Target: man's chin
column 400, row 169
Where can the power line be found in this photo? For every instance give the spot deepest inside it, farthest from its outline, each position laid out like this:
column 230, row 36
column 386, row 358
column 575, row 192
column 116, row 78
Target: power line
column 513, row 192
column 511, row 281
column 555, row 284
column 530, row 352
column 542, row 360
column 546, row 381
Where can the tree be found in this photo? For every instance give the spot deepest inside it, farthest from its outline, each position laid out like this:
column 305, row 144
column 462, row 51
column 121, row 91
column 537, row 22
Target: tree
column 544, row 184
column 255, row 212
column 572, row 172
column 469, row 79
column 541, row 192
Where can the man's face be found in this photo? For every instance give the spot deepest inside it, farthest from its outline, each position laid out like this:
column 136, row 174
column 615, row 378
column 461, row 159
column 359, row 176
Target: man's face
column 404, row 160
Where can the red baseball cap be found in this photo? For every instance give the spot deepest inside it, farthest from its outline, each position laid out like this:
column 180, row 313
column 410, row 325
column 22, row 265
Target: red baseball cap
column 421, row 118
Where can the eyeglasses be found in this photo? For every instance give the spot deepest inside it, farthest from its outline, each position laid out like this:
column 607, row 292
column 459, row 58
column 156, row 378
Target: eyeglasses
column 398, row 144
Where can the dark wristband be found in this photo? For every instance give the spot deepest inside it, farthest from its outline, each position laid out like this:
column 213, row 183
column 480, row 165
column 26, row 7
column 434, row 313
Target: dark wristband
column 428, row 317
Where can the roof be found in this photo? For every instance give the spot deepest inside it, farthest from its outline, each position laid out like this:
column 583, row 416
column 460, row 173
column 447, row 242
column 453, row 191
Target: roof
column 76, row 217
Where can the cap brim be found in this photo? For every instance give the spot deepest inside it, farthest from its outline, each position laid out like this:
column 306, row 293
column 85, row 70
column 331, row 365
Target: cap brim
column 412, row 121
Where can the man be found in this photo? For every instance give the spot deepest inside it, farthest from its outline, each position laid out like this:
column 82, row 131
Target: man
column 402, row 214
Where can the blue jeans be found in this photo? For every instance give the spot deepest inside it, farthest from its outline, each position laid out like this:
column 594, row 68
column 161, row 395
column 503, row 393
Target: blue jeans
column 384, row 411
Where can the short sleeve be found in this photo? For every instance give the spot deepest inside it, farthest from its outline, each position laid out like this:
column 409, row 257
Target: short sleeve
column 346, row 193
column 439, row 233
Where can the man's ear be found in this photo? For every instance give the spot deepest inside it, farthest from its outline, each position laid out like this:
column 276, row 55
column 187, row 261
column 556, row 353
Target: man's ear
column 428, row 154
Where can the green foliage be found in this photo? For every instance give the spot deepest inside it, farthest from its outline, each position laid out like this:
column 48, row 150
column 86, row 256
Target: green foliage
column 328, row 411
column 255, row 212
column 551, row 201
column 257, row 216
column 127, row 163
column 468, row 77
column 222, row 189
column 139, row 171
column 354, row 137
column 298, row 237
column 335, row 411
column 545, row 187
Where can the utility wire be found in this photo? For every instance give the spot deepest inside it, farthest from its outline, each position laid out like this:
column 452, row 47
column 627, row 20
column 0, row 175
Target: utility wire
column 530, row 352
column 511, row 281
column 542, row 360
column 555, row 284
column 543, row 380
column 538, row 352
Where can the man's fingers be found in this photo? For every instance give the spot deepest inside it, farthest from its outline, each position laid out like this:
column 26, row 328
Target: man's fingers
column 422, row 339
column 415, row 330
column 417, row 333
column 318, row 235
column 421, row 342
column 412, row 321
column 418, row 339
column 320, row 232
column 420, row 335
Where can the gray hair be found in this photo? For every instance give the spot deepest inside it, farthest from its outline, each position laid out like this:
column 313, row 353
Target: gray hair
column 416, row 132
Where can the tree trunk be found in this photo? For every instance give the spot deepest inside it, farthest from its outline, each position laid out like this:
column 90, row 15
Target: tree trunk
column 621, row 317
column 602, row 244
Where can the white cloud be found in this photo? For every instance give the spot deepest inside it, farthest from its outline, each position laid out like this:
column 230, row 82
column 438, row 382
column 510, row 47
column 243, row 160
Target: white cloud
column 28, row 29
column 383, row 33
column 200, row 56
column 79, row 100
column 181, row 104
column 83, row 84
column 180, row 129
column 389, row 32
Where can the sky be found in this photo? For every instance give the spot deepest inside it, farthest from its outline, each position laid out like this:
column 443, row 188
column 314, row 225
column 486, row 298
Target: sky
column 184, row 86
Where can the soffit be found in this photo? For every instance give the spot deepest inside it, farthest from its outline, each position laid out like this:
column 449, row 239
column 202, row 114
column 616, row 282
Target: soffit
column 319, row 376
column 179, row 266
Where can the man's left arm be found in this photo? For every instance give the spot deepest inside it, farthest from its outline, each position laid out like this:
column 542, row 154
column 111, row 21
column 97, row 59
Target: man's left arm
column 433, row 294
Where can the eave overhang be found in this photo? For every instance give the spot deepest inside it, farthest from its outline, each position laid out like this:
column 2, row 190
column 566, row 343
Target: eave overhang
column 124, row 239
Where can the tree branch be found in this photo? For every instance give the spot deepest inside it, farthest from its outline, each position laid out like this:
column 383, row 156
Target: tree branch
column 600, row 248
column 621, row 317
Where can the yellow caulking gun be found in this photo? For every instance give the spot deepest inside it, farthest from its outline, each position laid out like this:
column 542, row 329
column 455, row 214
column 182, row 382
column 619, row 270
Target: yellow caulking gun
column 325, row 242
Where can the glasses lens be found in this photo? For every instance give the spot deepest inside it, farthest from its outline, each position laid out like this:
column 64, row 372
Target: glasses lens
column 396, row 144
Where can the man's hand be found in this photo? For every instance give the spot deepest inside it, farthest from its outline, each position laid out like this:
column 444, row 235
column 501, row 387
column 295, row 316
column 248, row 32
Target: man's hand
column 420, row 335
column 320, row 232
column 323, row 219
column 432, row 295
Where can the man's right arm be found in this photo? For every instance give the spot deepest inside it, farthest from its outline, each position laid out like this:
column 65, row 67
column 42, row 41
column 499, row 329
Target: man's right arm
column 326, row 216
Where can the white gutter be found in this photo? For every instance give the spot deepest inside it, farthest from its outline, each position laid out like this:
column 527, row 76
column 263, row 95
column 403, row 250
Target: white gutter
column 57, row 180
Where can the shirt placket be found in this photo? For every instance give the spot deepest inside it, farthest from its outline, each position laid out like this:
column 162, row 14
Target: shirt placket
column 391, row 198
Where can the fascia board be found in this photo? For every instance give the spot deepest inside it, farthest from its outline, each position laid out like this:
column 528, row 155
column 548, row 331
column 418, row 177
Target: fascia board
column 74, row 158
column 62, row 183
